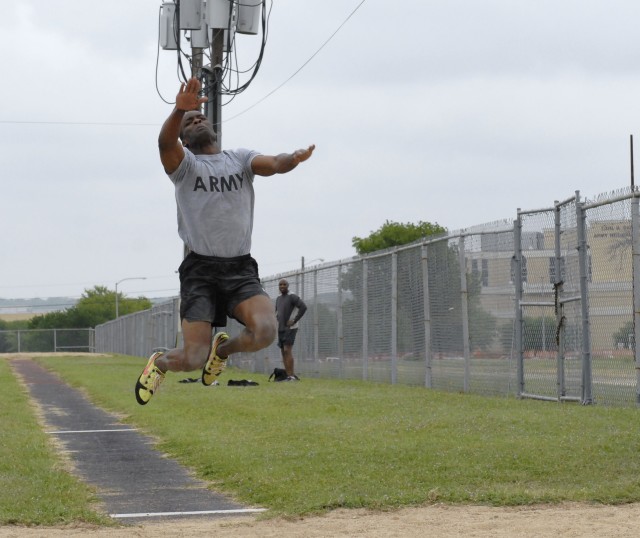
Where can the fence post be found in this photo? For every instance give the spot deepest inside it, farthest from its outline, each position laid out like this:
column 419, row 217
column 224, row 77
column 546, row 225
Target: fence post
column 394, row 318
column 365, row 320
column 316, row 323
column 581, row 223
column 558, row 288
column 177, row 324
column 55, row 340
column 635, row 246
column 464, row 303
column 340, row 322
column 517, row 280
column 428, row 382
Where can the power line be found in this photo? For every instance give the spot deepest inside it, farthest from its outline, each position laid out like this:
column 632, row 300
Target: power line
column 129, row 295
column 301, row 67
column 101, row 123
column 20, row 306
column 93, row 283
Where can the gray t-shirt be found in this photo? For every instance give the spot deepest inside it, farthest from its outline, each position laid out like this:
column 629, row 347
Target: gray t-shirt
column 215, row 198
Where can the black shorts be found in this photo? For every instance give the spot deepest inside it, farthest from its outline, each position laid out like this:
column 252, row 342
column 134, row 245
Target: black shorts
column 211, row 287
column 287, row 337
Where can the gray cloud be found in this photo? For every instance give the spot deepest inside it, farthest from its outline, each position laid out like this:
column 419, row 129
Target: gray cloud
column 456, row 112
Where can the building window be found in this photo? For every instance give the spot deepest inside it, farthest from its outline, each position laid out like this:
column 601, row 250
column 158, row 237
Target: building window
column 552, row 269
column 563, row 273
column 481, row 276
column 524, row 269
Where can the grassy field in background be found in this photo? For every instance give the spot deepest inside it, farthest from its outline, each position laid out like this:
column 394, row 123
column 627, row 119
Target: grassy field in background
column 302, row 448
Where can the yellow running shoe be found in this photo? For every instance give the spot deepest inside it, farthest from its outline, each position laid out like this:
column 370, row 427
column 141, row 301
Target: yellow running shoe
column 149, row 381
column 214, row 366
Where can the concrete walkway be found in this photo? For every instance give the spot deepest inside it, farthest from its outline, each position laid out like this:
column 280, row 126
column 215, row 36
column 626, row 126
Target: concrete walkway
column 133, row 480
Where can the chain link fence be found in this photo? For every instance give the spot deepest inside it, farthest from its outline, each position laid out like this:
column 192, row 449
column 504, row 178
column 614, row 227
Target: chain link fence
column 141, row 333
column 540, row 307
column 47, row 340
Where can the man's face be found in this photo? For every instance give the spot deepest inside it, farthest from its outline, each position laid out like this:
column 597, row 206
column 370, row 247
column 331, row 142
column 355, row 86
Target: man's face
column 196, row 130
column 283, row 286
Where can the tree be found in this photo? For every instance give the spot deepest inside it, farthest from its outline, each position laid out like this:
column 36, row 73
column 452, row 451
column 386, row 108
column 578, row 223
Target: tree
column 624, row 337
column 96, row 306
column 395, row 234
column 444, row 286
column 482, row 324
column 538, row 334
column 4, row 342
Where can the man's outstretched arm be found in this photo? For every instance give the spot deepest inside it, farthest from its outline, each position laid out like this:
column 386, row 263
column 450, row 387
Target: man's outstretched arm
column 171, row 150
column 267, row 165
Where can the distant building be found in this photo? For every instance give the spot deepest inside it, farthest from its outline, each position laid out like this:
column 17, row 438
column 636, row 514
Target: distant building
column 609, row 274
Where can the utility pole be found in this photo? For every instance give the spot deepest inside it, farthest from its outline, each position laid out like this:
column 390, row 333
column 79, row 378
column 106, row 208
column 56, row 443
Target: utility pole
column 213, row 83
column 633, row 184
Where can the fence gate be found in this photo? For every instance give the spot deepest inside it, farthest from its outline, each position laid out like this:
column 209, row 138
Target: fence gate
column 552, row 326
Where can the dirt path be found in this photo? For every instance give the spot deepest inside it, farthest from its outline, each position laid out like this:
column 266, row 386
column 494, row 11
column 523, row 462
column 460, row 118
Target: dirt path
column 567, row 520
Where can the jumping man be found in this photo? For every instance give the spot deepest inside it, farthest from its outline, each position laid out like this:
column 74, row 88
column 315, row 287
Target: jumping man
column 218, row 278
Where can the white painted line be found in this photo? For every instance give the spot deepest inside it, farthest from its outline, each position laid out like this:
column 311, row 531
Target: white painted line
column 201, row 512
column 93, row 431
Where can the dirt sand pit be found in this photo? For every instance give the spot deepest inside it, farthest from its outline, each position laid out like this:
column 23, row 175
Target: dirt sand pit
column 570, row 519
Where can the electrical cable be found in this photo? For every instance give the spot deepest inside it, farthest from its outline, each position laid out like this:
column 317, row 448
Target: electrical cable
column 230, row 86
column 256, row 66
column 300, row 68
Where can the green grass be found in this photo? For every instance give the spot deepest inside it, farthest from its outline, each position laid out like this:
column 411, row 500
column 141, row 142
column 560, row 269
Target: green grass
column 35, row 488
column 303, row 448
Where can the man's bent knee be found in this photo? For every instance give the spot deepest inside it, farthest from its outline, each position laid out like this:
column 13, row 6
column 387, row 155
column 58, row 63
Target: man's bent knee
column 264, row 333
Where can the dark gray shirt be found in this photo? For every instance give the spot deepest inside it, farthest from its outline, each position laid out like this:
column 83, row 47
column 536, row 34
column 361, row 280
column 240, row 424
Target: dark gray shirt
column 289, row 307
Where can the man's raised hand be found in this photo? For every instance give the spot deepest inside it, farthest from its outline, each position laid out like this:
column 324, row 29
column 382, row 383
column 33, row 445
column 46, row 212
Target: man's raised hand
column 301, row 155
column 188, row 97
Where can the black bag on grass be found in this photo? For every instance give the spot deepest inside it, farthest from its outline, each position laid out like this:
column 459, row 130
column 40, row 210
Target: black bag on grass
column 279, row 374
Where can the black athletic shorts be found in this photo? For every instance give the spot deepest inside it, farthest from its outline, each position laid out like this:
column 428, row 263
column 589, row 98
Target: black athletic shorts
column 287, row 337
column 211, row 287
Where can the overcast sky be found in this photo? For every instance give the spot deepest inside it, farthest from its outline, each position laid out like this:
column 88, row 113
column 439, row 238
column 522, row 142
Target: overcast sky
column 455, row 112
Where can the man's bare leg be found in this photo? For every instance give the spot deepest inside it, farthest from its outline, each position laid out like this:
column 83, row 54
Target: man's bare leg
column 197, row 342
column 287, row 359
column 260, row 326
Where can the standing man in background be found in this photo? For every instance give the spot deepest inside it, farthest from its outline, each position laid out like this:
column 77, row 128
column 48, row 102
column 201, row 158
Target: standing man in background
column 289, row 309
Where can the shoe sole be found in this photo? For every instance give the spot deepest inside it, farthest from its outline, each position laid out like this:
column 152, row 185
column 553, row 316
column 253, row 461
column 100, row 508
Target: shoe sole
column 140, row 385
column 213, row 352
column 138, row 399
